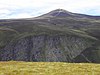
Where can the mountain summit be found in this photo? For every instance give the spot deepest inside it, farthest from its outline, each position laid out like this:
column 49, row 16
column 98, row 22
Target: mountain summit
column 61, row 13
column 58, row 13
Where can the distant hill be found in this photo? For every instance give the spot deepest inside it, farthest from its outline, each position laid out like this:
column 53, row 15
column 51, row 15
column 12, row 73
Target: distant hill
column 59, row 35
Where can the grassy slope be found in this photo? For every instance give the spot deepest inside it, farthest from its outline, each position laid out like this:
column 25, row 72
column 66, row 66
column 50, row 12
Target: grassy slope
column 48, row 68
column 19, row 31
column 6, row 36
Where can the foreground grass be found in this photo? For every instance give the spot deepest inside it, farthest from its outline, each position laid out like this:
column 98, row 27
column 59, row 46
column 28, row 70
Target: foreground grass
column 48, row 68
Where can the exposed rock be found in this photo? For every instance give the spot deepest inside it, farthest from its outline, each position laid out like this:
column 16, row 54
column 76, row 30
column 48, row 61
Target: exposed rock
column 45, row 48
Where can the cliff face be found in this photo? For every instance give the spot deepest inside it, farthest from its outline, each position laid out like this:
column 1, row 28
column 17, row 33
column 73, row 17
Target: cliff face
column 45, row 48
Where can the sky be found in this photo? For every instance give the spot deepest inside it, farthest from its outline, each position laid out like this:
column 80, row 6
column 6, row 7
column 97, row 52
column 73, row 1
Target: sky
column 10, row 9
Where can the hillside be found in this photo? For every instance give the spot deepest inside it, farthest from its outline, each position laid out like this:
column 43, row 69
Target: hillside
column 59, row 35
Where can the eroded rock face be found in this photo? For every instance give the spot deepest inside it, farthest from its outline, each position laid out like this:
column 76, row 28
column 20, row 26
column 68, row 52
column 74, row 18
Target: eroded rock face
column 45, row 48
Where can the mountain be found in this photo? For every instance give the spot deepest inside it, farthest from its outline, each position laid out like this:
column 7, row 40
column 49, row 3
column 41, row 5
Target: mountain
column 61, row 13
column 59, row 35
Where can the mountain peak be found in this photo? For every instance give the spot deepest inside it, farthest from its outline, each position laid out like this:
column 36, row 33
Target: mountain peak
column 60, row 13
column 59, row 10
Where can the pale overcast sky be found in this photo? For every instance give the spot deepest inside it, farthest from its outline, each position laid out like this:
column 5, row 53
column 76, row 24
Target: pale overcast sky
column 32, row 8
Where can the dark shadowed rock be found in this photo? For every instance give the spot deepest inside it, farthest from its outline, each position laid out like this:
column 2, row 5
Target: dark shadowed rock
column 45, row 48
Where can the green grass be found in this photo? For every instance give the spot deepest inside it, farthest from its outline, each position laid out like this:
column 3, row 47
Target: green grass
column 6, row 36
column 31, row 27
column 48, row 68
column 17, row 32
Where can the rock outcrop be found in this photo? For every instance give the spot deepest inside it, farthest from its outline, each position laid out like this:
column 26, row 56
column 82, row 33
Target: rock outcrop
column 45, row 48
